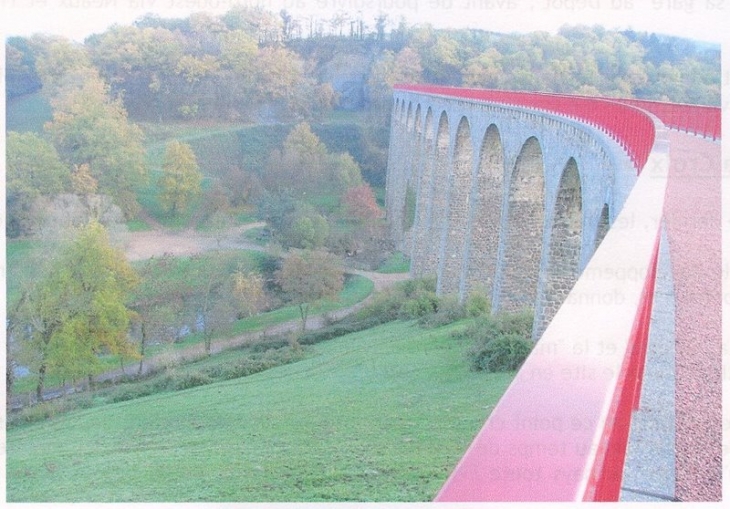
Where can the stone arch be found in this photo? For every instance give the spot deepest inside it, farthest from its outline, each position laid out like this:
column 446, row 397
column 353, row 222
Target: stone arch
column 424, row 204
column 455, row 226
column 439, row 183
column 603, row 225
column 523, row 241
column 563, row 266
column 415, row 150
column 485, row 215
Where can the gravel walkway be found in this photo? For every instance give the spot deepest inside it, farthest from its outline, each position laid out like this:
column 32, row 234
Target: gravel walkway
column 693, row 217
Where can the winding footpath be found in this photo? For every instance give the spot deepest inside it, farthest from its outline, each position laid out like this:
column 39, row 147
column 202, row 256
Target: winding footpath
column 693, row 218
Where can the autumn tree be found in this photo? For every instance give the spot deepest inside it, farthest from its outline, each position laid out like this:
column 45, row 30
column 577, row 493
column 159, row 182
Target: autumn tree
column 34, row 169
column 299, row 166
column 76, row 310
column 309, row 276
column 181, row 179
column 360, row 204
column 90, row 128
column 59, row 61
column 248, row 291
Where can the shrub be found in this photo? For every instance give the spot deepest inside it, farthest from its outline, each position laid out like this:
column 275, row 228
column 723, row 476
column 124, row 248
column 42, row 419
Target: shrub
column 482, row 329
column 516, row 323
column 383, row 308
column 499, row 343
column 270, row 343
column 449, row 311
column 421, row 303
column 504, row 353
column 188, row 380
column 477, row 304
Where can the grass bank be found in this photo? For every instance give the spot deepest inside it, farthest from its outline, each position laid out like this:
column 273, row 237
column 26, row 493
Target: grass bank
column 380, row 415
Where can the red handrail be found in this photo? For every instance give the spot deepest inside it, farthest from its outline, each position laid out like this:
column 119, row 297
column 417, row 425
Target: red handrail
column 697, row 119
column 631, row 127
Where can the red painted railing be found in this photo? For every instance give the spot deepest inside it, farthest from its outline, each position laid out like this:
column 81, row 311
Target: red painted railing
column 560, row 431
column 627, row 125
column 701, row 120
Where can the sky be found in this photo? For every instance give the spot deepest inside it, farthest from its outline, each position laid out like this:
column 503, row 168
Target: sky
column 697, row 19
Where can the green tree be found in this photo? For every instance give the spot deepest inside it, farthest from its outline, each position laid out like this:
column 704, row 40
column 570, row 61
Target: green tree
column 308, row 229
column 308, row 276
column 300, row 166
column 34, row 169
column 142, row 63
column 59, row 60
column 484, row 70
column 180, row 182
column 76, row 309
column 21, row 76
column 91, row 128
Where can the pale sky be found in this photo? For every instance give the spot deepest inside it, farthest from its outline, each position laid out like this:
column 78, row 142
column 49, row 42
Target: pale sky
column 698, row 19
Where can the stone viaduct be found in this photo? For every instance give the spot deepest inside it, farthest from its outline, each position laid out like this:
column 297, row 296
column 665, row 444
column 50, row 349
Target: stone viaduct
column 562, row 205
column 500, row 199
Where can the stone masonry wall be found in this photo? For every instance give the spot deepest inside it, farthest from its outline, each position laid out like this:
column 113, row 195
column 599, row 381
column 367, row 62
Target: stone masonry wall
column 509, row 201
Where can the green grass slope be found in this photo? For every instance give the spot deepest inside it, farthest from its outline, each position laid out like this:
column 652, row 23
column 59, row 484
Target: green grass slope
column 381, row 415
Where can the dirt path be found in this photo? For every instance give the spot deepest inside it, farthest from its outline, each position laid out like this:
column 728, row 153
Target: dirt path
column 160, row 242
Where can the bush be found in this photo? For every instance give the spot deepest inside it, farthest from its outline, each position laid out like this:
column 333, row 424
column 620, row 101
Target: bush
column 255, row 363
column 516, row 323
column 500, row 343
column 504, row 353
column 188, row 380
column 449, row 311
column 421, row 303
column 477, row 304
column 340, row 329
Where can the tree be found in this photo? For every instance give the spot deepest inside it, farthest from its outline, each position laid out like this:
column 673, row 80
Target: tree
column 33, row 170
column 90, row 128
column 180, row 182
column 308, row 229
column 58, row 61
column 484, row 70
column 361, row 205
column 20, row 61
column 308, row 276
column 300, row 165
column 76, row 310
column 248, row 290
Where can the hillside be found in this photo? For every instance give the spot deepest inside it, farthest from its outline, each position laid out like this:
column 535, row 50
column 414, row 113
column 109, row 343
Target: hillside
column 357, row 420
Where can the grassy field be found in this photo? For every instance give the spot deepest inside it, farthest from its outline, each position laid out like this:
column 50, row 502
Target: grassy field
column 380, row 415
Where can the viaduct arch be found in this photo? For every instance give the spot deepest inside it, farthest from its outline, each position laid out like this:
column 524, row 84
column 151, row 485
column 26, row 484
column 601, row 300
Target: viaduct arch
column 500, row 198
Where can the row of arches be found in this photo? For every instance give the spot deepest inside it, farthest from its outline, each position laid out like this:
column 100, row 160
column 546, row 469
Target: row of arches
column 479, row 222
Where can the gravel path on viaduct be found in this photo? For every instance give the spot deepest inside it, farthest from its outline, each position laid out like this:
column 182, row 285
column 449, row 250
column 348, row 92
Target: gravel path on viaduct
column 693, row 217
